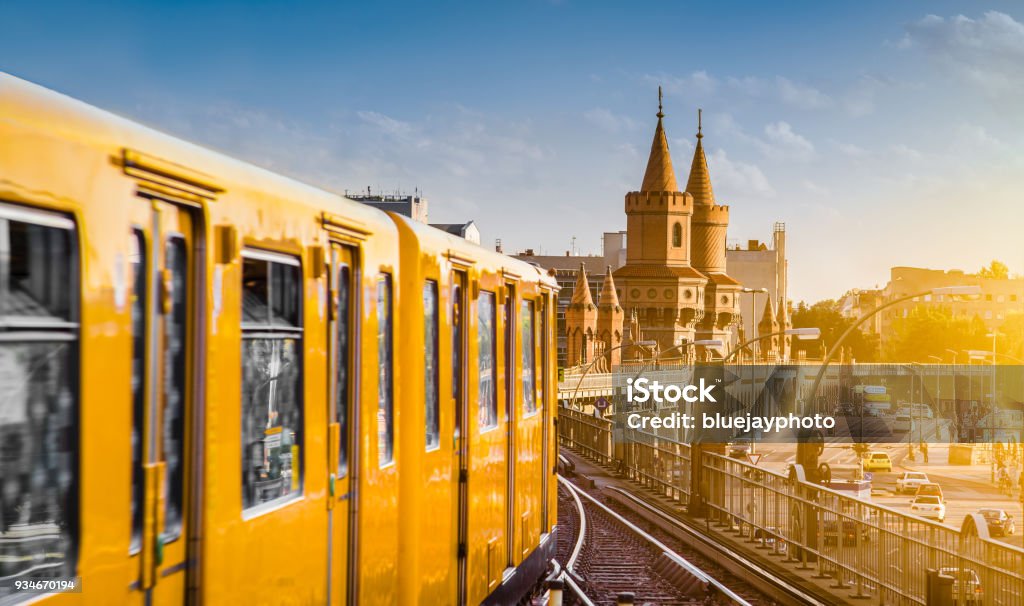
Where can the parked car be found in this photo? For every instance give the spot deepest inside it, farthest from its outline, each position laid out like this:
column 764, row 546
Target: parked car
column 910, row 481
column 999, row 522
column 739, row 448
column 973, row 592
column 929, row 489
column 928, row 506
column 879, row 461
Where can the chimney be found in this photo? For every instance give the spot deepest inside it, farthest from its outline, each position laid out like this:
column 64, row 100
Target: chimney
column 752, row 244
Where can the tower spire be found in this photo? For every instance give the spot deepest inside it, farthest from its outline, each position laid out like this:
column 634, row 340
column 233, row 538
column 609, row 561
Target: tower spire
column 581, row 291
column 660, row 175
column 699, row 183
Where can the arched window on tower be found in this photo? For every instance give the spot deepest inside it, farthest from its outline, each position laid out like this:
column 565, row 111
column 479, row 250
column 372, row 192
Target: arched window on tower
column 677, row 235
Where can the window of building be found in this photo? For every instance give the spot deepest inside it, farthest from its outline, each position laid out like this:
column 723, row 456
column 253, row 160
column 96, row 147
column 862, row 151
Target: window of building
column 485, row 330
column 431, row 386
column 271, row 378
column 385, row 374
column 677, row 235
column 1013, row 297
column 39, row 427
column 528, row 389
column 988, row 297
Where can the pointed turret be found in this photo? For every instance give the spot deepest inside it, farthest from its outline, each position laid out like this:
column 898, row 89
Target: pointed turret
column 768, row 347
column 699, row 183
column 785, row 344
column 581, row 290
column 610, row 317
column 581, row 322
column 660, row 175
column 609, row 298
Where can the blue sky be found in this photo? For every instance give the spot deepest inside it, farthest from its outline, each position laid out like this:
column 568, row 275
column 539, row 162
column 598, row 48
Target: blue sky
column 881, row 133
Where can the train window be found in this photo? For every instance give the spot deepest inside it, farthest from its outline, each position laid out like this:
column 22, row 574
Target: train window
column 529, row 393
column 137, row 259
column 385, row 411
column 485, row 330
column 432, row 395
column 39, row 469
column 174, row 343
column 271, row 378
column 342, row 395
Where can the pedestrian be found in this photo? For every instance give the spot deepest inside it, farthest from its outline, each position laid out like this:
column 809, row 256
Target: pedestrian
column 924, row 451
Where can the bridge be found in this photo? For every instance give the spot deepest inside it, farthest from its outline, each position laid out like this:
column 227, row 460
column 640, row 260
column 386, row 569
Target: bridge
column 816, row 539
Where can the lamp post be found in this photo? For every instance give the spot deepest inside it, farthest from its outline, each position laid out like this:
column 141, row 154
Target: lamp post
column 938, row 387
column 956, row 404
column 572, row 401
column 753, row 314
column 804, row 334
column 811, row 474
column 942, row 290
column 994, row 334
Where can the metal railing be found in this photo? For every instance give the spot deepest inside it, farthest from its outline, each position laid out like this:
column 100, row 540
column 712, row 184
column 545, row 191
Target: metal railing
column 592, row 436
column 657, row 463
column 870, row 550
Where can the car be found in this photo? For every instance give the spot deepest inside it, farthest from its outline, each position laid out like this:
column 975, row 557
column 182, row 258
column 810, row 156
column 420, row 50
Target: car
column 910, row 481
column 830, row 531
column 739, row 448
column 877, row 461
column 1000, row 523
column 973, row 592
column 929, row 489
column 929, row 506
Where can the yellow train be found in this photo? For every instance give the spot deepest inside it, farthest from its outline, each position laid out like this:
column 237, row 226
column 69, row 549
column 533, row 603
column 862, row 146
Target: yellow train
column 221, row 386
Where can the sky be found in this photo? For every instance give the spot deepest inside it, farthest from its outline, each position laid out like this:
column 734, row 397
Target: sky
column 882, row 134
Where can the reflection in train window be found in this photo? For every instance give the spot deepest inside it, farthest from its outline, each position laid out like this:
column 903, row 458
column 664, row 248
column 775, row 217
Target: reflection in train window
column 38, row 397
column 341, row 368
column 485, row 330
column 174, row 343
column 271, row 378
column 431, row 387
column 529, row 393
column 385, row 376
column 137, row 259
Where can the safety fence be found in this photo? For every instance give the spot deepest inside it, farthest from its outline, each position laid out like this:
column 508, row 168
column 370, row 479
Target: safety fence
column 587, row 434
column 868, row 550
column 871, row 550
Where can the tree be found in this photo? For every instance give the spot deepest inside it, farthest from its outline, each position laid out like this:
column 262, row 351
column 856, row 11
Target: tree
column 996, row 270
column 929, row 331
column 825, row 315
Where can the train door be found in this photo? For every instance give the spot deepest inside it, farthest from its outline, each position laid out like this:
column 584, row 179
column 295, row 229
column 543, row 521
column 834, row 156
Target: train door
column 342, row 372
column 509, row 311
column 461, row 445
column 166, row 250
column 545, row 423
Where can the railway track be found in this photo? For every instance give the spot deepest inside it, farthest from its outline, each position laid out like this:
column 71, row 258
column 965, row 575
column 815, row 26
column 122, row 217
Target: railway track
column 608, row 554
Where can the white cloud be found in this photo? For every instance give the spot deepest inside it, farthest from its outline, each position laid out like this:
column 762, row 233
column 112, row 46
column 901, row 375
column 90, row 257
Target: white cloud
column 818, row 190
column 737, row 179
column 854, row 151
column 785, row 143
column 801, row 96
column 608, row 121
column 905, row 151
column 987, row 52
column 697, row 82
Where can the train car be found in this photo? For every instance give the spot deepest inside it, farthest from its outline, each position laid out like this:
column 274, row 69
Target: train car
column 213, row 386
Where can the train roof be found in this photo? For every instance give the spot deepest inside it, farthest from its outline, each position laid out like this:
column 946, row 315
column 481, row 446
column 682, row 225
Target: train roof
column 25, row 105
column 440, row 239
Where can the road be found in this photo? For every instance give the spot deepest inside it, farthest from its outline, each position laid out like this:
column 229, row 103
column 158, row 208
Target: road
column 966, row 488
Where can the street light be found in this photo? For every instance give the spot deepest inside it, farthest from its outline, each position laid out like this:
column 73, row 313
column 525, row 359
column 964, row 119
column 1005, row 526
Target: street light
column 803, row 334
column 941, row 290
column 753, row 312
column 956, row 404
column 938, row 393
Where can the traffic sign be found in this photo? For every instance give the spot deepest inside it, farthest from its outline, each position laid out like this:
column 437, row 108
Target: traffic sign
column 602, row 403
column 753, row 457
column 868, row 476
